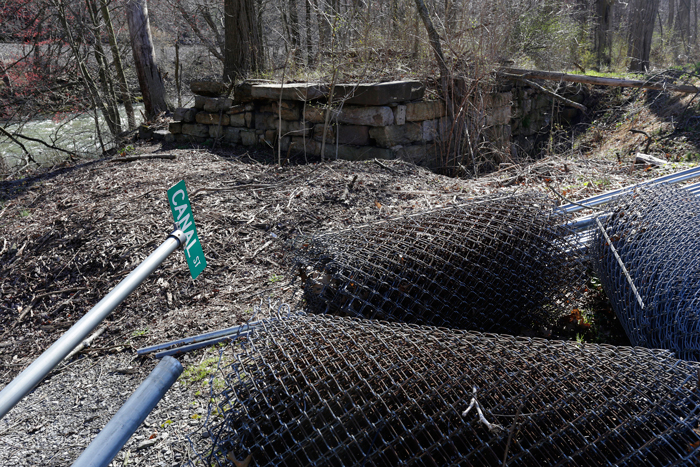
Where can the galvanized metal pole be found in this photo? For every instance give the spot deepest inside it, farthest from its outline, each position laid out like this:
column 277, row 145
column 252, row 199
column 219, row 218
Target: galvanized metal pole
column 42, row 366
column 134, row 411
column 610, row 195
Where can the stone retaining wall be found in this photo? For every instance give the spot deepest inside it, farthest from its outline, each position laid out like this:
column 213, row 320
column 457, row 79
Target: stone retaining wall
column 384, row 121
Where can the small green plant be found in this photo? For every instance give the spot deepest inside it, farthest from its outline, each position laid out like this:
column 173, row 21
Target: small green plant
column 275, row 278
column 196, row 373
column 579, row 338
column 126, row 150
column 24, row 213
column 139, row 332
column 166, row 423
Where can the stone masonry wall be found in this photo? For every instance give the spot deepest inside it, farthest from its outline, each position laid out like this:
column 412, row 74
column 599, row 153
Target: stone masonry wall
column 384, row 121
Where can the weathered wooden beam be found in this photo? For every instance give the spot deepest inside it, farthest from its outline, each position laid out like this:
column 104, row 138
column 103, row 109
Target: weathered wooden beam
column 626, row 83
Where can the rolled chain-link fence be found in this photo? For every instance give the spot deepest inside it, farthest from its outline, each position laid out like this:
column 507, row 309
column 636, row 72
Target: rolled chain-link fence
column 496, row 264
column 320, row 390
column 646, row 252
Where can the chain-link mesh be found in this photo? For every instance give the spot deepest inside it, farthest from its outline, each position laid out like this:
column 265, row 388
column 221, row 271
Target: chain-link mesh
column 320, row 390
column 655, row 231
column 494, row 264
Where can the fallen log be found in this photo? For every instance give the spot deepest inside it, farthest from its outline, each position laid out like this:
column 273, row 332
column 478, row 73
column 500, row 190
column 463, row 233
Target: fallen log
column 625, row 83
column 144, row 157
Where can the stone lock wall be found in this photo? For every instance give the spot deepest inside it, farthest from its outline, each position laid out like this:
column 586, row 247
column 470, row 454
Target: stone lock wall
column 384, row 121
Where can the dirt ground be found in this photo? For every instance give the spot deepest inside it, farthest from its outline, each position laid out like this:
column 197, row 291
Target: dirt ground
column 68, row 235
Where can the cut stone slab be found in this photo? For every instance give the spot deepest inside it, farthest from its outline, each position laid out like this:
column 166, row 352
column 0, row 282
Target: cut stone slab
column 195, row 129
column 175, row 127
column 399, row 115
column 418, row 111
column 206, row 118
column 184, row 115
column 232, row 135
column 394, row 135
column 237, row 109
column 291, row 92
column 317, row 114
column 290, row 111
column 347, row 134
column 237, row 120
column 217, row 105
column 379, row 93
column 249, row 138
column 145, row 132
column 308, row 146
column 161, row 135
column 371, row 116
column 207, row 88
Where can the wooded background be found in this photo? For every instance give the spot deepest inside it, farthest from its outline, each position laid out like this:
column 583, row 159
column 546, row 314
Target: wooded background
column 63, row 56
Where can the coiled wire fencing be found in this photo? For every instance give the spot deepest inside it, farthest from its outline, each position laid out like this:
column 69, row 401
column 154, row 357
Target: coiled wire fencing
column 495, row 264
column 646, row 252
column 320, row 390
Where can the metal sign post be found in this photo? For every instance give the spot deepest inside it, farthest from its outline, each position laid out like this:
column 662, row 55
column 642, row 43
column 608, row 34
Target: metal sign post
column 42, row 366
column 182, row 214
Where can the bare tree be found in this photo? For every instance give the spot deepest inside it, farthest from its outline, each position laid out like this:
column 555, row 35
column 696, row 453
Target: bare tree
column 603, row 31
column 155, row 99
column 641, row 20
column 243, row 50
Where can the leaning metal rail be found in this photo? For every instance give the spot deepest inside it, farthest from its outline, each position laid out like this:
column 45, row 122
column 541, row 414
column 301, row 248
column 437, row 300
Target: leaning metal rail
column 134, row 411
column 47, row 361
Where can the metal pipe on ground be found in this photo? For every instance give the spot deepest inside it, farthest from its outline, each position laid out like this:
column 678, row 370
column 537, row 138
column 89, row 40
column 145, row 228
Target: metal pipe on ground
column 199, row 338
column 47, row 361
column 610, row 195
column 125, row 422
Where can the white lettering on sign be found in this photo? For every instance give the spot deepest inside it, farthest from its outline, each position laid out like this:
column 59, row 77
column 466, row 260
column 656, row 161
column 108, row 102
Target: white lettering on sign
column 190, row 246
column 178, row 192
column 185, row 223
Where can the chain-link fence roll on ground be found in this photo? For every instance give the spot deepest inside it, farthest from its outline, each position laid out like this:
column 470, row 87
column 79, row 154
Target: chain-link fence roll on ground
column 497, row 264
column 647, row 256
column 321, row 390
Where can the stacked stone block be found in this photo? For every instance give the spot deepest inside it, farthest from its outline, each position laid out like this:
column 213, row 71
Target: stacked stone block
column 385, row 120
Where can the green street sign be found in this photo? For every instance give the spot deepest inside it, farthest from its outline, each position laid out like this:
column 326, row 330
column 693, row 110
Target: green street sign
column 182, row 213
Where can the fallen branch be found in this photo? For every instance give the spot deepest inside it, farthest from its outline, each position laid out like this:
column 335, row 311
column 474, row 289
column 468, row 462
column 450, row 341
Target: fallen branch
column 144, row 157
column 14, row 140
column 646, row 159
column 566, row 101
column 40, row 141
column 649, row 138
column 625, row 83
column 86, row 343
column 46, row 294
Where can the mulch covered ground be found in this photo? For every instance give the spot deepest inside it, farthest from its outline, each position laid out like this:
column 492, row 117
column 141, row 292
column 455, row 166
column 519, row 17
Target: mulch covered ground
column 70, row 234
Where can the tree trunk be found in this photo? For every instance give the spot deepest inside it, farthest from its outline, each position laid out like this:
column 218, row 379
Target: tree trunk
column 113, row 119
column 119, row 68
column 642, row 16
column 309, row 42
column 243, row 44
column 682, row 26
column 603, row 36
column 294, row 23
column 671, row 14
column 155, row 99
